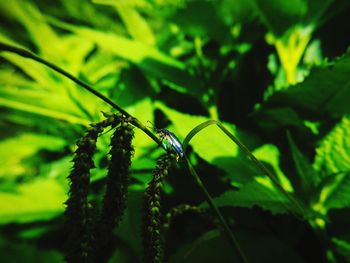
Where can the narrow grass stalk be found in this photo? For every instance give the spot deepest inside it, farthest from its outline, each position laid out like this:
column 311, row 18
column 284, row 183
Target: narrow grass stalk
column 302, row 211
column 227, row 231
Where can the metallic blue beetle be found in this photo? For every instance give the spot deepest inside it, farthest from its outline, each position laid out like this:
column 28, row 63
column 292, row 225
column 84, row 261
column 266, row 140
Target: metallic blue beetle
column 173, row 141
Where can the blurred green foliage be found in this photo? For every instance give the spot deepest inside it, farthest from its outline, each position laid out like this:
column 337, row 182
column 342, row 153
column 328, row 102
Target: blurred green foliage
column 276, row 73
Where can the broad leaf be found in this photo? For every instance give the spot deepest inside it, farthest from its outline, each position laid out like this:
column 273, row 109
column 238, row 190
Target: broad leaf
column 336, row 193
column 255, row 194
column 148, row 58
column 325, row 91
column 308, row 177
column 15, row 150
column 333, row 154
column 242, row 170
column 39, row 200
column 30, row 17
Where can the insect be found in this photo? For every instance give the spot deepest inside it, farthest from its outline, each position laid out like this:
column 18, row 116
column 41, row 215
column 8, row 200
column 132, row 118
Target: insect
column 173, row 142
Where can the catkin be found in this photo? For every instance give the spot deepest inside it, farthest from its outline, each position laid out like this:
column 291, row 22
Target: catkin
column 78, row 218
column 152, row 221
column 116, row 190
column 79, row 212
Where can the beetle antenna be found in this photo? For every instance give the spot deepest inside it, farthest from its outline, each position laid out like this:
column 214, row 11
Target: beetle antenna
column 152, row 126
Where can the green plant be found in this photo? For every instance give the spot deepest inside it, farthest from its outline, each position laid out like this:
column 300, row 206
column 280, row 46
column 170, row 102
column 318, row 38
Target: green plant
column 288, row 104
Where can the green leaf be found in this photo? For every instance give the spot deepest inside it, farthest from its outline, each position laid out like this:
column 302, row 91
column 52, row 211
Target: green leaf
column 270, row 154
column 38, row 200
column 143, row 110
column 30, row 17
column 137, row 26
column 34, row 70
column 193, row 20
column 279, row 16
column 148, row 58
column 308, row 177
column 211, row 247
column 333, row 154
column 336, row 193
column 17, row 251
column 342, row 247
column 242, row 170
column 42, row 111
column 132, row 50
column 277, row 118
column 130, row 226
column 324, row 92
column 255, row 194
column 15, row 150
column 239, row 170
column 134, row 87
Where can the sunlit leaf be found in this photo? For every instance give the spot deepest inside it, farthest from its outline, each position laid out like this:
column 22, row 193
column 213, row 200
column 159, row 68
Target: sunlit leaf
column 42, row 111
column 14, row 150
column 333, row 153
column 31, row 18
column 34, row 70
column 336, row 192
column 132, row 50
column 325, row 91
column 143, row 111
column 270, row 154
column 148, row 58
column 137, row 26
column 41, row 199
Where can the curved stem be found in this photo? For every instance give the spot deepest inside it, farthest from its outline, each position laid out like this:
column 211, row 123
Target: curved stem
column 302, row 212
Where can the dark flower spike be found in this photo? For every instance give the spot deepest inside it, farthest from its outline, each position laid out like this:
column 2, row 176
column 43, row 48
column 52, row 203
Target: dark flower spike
column 78, row 212
column 152, row 222
column 116, row 190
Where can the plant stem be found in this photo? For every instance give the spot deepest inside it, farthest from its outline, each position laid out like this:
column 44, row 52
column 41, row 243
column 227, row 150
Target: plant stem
column 233, row 241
